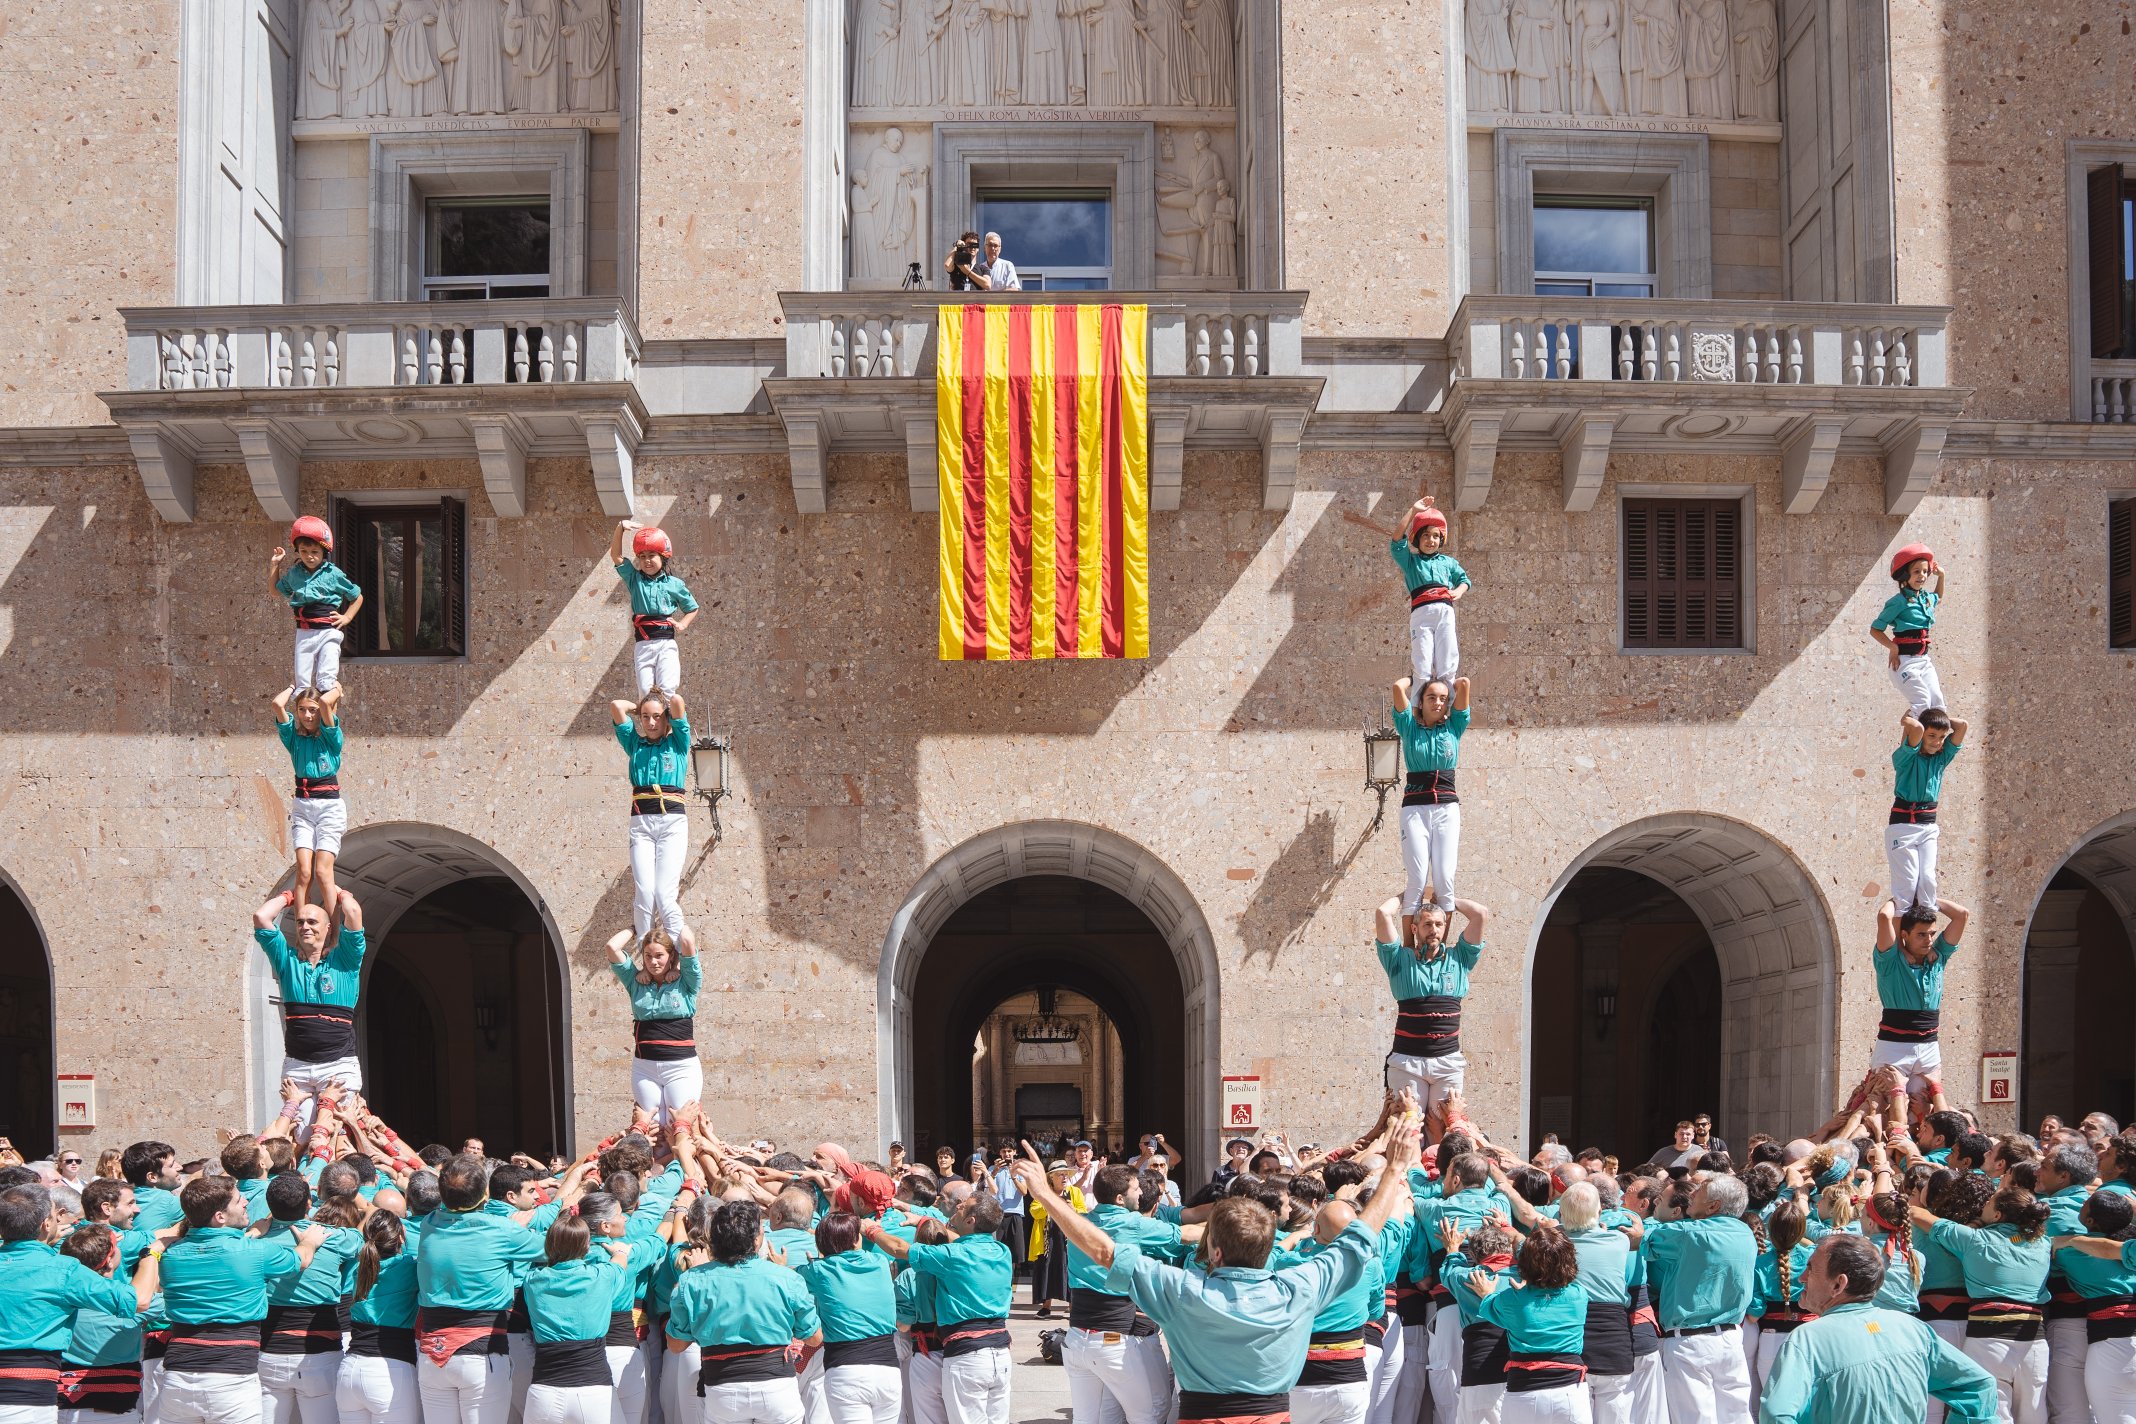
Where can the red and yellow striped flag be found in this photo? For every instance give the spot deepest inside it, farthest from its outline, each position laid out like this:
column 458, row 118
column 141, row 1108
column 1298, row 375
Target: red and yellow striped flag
column 1042, row 438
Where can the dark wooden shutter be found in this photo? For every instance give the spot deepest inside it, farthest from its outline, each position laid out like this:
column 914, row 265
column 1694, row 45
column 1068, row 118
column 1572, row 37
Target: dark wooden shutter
column 1683, row 573
column 352, row 554
column 2107, row 259
column 2121, row 573
column 454, row 552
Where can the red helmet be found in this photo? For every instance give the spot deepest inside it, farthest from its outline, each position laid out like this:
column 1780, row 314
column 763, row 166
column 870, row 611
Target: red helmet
column 651, row 541
column 1907, row 555
column 312, row 527
column 1426, row 517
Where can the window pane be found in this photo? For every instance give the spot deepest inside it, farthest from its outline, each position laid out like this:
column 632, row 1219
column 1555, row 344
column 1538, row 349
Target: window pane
column 1074, row 284
column 1624, row 289
column 1591, row 239
column 1058, row 230
column 388, row 584
column 428, row 576
column 1547, row 287
column 486, row 239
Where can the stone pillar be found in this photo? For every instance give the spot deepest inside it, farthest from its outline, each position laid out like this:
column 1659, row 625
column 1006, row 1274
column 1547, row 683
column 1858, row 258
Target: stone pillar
column 2047, row 1080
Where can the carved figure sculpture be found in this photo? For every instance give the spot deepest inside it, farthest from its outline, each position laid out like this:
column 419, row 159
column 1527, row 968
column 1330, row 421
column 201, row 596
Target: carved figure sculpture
column 1046, row 39
column 1654, row 44
column 477, row 50
column 1169, row 67
column 363, row 82
column 1757, row 60
column 1598, row 62
column 1490, row 56
column 326, row 33
column 589, row 54
column 888, row 190
column 970, row 82
column 1117, row 75
column 415, row 87
column 1535, row 26
column 1223, row 243
column 1214, row 61
column 531, row 36
column 1005, row 48
column 875, row 76
column 1205, row 174
column 922, row 71
column 1709, row 66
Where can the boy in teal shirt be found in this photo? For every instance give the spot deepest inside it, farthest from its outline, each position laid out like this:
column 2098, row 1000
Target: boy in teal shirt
column 1909, row 959
column 1903, row 625
column 661, row 605
column 1435, row 583
column 1911, row 838
column 324, row 599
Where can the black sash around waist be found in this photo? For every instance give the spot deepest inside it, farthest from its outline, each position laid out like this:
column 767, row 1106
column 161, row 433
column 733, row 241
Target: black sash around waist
column 1334, row 1357
column 1526, row 1374
column 1609, row 1338
column 2005, row 1320
column 1376, row 1332
column 869, row 1350
column 572, row 1364
column 1430, row 788
column 1430, row 593
column 302, row 1330
column 101, row 1389
column 1429, row 1027
column 1911, row 642
column 318, row 788
column 1909, row 1025
column 220, row 1348
column 2110, row 1318
column 646, row 627
column 926, row 1338
column 622, row 1328
column 442, row 1332
column 1484, row 1353
column 1780, row 1322
column 665, row 1040
column 1411, row 1303
column 382, row 1342
column 29, row 1378
column 1646, row 1325
column 1943, row 1305
column 1197, row 1407
column 154, row 1343
column 1912, row 813
column 1095, row 1310
column 318, row 1033
column 965, row 1336
column 316, row 615
column 2064, row 1303
column 657, row 801
column 739, row 1364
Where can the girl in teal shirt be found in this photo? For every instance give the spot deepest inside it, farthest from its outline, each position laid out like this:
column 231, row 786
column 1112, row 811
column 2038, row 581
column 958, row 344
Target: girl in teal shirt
column 857, row 1304
column 1776, row 1294
column 376, row 1384
column 1544, row 1316
column 2095, row 1268
column 654, row 733
column 665, row 1073
column 570, row 1298
column 2005, row 1260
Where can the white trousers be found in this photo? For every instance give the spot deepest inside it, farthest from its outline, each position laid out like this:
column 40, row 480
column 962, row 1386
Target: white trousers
column 1383, row 1370
column 190, row 1397
column 1331, row 1403
column 1919, row 1062
column 317, row 823
column 653, row 1350
column 923, row 1390
column 811, row 1381
column 299, row 1389
column 1952, row 1332
column 519, row 1349
column 1431, row 847
column 1910, row 851
column 662, row 1085
column 2067, row 1347
column 658, row 847
column 30, row 1413
column 311, row 1077
column 863, row 1394
column 318, row 661
column 1916, row 680
column 678, row 1384
column 626, row 1366
column 1109, row 1379
column 570, row 1404
column 659, row 664
column 1412, row 1385
column 1650, row 1393
column 1611, row 1398
column 1157, row 1367
column 1567, row 1404
column 1706, row 1377
column 1434, row 650
column 975, row 1387
column 1479, row 1403
column 753, row 1402
column 151, row 1388
column 1444, row 1377
column 466, row 1389
column 2110, row 1380
column 372, row 1390
column 2020, row 1370
column 1433, row 1080
column 88, row 1416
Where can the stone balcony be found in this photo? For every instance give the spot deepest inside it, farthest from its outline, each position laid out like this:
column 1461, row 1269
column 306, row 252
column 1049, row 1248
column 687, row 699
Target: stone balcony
column 1808, row 382
column 270, row 386
column 1225, row 370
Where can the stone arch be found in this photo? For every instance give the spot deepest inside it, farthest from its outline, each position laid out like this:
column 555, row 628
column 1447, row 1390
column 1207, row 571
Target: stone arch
column 2065, row 924
column 1067, row 848
column 1773, row 936
column 32, row 1118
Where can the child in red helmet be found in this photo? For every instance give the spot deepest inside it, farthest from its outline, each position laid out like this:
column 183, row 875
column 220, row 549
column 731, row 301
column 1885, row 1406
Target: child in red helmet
column 1436, row 583
column 1908, row 615
column 657, row 597
column 325, row 601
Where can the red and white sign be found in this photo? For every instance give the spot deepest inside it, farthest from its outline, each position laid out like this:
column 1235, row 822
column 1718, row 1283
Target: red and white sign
column 77, row 1102
column 1998, row 1077
column 1242, row 1103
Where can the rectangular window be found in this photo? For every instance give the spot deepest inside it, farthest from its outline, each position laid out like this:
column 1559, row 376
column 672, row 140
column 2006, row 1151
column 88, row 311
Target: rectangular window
column 478, row 248
column 411, row 563
column 1682, row 574
column 2121, row 573
column 1059, row 239
column 1594, row 247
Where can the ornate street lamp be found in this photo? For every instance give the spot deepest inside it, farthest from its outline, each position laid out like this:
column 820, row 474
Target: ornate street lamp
column 708, row 765
column 1383, row 766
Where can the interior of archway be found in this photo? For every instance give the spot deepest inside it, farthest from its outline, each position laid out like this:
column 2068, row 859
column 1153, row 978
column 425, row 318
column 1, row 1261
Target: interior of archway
column 1048, row 1067
column 26, row 1082
column 2080, row 979
column 1055, row 932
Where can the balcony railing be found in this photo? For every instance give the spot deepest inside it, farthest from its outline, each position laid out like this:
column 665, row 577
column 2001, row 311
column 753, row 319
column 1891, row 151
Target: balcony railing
column 2113, row 392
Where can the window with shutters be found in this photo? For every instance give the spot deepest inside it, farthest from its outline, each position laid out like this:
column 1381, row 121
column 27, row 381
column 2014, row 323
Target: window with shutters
column 2102, row 271
column 1682, row 574
column 410, row 560
column 2121, row 573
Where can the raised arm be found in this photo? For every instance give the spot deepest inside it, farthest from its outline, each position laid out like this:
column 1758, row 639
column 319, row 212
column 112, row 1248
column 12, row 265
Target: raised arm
column 1076, row 1227
column 1958, row 915
column 895, row 1247
column 1401, row 694
column 1887, row 926
column 1958, row 726
column 678, row 711
column 615, row 540
column 1937, row 569
column 268, row 915
column 620, row 711
column 1387, row 924
column 619, row 945
column 351, row 911
column 276, row 563
column 1474, row 917
column 281, row 706
column 1461, row 694
column 1403, row 1152
column 1910, row 729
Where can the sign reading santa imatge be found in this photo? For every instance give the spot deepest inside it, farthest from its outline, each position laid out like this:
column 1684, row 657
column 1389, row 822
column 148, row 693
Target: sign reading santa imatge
column 1998, row 1077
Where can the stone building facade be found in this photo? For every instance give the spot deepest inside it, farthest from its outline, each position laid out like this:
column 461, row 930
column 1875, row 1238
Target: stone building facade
column 1870, row 307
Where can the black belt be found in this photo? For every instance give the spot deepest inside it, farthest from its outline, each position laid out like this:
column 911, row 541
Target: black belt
column 665, row 1040
column 651, row 626
column 572, row 1364
column 1376, row 1331
column 1429, row 1027
column 1911, row 642
column 963, row 1337
column 1203, row 1408
column 316, row 615
column 1484, row 1353
column 318, row 788
column 1696, row 1330
column 444, row 1332
column 382, row 1342
column 318, row 1033
column 2005, row 1320
column 738, row 1364
column 1430, row 788
column 1608, row 1348
column 2110, row 1318
column 217, row 1348
column 868, row 1350
column 1095, row 1310
column 1527, row 1374
column 101, row 1389
column 1909, row 1025
column 302, row 1330
column 622, row 1328
column 657, row 801
column 1430, row 593
column 1334, row 1357
column 29, row 1377
column 1913, row 813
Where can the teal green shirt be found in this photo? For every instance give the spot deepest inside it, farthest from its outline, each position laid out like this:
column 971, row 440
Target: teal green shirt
column 254, row 1191
column 392, row 1298
column 1120, row 1224
column 974, row 1277
column 1859, row 1364
column 661, row 596
column 1902, row 984
column 336, row 979
column 1467, row 1209
column 1537, row 1321
column 1768, row 1278
column 1996, row 1265
column 1459, row 1274
column 325, row 584
column 159, row 1208
column 915, row 1299
column 1908, row 612
column 313, row 757
column 1703, row 1271
column 854, row 1296
column 1350, row 1308
column 471, row 1260
column 662, row 1001
column 750, row 1302
column 1606, row 1262
column 1411, row 976
column 2065, row 1217
column 2093, row 1277
column 573, row 1300
column 1433, row 748
column 44, row 1289
column 798, row 1246
column 1421, row 571
column 1903, row 1276
column 216, row 1275
column 662, row 763
column 635, row 1274
column 1917, row 776
column 101, row 1337
column 320, row 1283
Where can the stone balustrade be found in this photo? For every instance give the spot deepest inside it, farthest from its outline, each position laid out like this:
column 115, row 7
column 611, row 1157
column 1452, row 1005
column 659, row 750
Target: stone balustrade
column 2113, row 392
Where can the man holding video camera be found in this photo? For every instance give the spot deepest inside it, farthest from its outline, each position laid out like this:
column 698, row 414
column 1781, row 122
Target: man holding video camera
column 970, row 271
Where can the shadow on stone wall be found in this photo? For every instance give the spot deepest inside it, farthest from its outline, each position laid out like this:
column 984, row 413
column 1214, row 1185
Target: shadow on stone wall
column 1302, row 880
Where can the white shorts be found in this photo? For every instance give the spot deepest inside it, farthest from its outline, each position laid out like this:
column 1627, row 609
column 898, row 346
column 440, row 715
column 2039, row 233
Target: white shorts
column 1433, row 1079
column 317, row 824
column 318, row 660
column 658, row 663
column 1915, row 1060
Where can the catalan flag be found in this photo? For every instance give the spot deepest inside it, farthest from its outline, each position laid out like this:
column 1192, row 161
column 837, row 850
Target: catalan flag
column 1042, row 440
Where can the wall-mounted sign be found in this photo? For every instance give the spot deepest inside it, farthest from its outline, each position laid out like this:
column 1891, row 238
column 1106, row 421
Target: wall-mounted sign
column 1242, row 1103
column 77, row 1102
column 1998, row 1077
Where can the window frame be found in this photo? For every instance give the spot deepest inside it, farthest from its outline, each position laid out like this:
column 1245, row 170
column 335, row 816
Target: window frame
column 2082, row 156
column 348, row 511
column 2121, row 504
column 1034, row 278
column 1673, row 170
column 434, row 287
column 1744, row 498
column 409, row 171
column 1612, row 202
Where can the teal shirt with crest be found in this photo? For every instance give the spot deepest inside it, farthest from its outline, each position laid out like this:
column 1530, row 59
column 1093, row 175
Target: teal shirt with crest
column 1908, row 612
column 325, row 584
column 663, row 1001
column 747, row 1302
column 316, row 756
column 1433, row 748
column 1902, row 984
column 1918, row 776
column 661, row 596
column 662, row 763
column 1861, row 1364
column 1421, row 571
column 1412, row 976
column 336, row 979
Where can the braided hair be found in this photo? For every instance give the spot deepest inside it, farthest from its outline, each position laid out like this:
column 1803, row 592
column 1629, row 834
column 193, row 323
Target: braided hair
column 1890, row 1207
column 1836, row 1206
column 1789, row 1224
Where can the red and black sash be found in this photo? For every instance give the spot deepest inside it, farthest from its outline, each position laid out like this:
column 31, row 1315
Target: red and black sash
column 649, row 627
column 318, row 788
column 868, row 1350
column 572, row 1364
column 316, row 615
column 1909, row 1025
column 1912, row 813
column 1609, row 1338
column 2005, row 1320
column 218, row 1348
column 382, row 1342
column 1430, row 593
column 738, row 1364
column 1943, row 1305
column 657, row 801
column 2110, row 1318
column 29, row 1377
column 1430, row 788
column 1197, row 1407
column 2064, row 1303
column 302, row 1330
column 154, row 1343
column 623, row 1328
column 1526, row 1374
column 1334, row 1357
column 101, row 1389
column 1410, row 1302
column 1484, row 1353
column 1782, row 1321
column 318, row 1033
column 1097, row 1311
column 1911, row 642
column 442, row 1333
column 926, row 1339
column 665, row 1040
column 1646, row 1325
column 1429, row 1027
column 966, row 1336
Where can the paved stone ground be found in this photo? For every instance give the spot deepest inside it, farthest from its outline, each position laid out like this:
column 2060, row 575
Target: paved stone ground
column 1038, row 1392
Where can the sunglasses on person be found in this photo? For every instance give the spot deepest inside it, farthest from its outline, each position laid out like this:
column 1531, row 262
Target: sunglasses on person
column 70, row 1161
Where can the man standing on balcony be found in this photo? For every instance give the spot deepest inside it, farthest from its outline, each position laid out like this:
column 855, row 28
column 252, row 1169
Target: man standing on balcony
column 1000, row 271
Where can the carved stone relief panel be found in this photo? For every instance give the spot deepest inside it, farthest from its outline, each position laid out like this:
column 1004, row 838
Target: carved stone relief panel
column 1668, row 64
column 1197, row 207
column 380, row 61
column 887, row 205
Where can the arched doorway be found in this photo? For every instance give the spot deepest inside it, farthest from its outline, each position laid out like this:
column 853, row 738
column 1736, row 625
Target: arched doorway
column 1080, row 909
column 1682, row 963
column 461, row 1026
column 2080, row 979
column 1049, row 1067
column 28, row 1089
